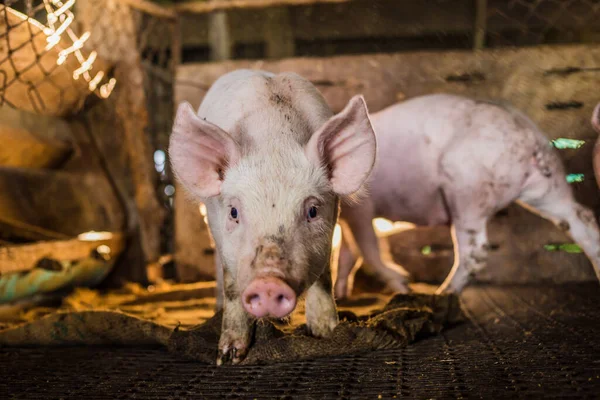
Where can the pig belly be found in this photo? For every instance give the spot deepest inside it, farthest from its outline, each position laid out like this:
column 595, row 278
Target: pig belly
column 412, row 200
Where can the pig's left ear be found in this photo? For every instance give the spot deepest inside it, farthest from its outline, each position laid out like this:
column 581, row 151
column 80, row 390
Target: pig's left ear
column 200, row 152
column 596, row 118
column 346, row 145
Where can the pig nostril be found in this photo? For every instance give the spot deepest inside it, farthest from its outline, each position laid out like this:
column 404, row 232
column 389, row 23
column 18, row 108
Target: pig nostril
column 253, row 301
column 283, row 301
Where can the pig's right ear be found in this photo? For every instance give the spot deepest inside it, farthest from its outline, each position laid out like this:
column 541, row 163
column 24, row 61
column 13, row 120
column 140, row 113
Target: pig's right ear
column 200, row 152
column 596, row 118
column 346, row 146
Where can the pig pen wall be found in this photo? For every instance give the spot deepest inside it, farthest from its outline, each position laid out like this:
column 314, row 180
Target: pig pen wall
column 555, row 85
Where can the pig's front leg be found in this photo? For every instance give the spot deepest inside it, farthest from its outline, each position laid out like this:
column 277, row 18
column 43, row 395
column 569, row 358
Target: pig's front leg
column 236, row 328
column 321, row 313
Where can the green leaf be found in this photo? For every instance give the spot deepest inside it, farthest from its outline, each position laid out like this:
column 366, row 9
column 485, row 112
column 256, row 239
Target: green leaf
column 551, row 247
column 564, row 143
column 566, row 247
column 572, row 178
column 571, row 248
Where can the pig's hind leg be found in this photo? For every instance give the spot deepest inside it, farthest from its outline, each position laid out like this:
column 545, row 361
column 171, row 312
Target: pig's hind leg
column 469, row 204
column 469, row 236
column 549, row 195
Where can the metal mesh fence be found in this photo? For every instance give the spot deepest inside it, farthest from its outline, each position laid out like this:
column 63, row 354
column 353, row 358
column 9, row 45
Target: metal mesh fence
column 43, row 66
column 535, row 22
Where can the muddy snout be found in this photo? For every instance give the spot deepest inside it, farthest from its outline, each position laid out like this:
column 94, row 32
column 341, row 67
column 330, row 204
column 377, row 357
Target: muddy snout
column 268, row 294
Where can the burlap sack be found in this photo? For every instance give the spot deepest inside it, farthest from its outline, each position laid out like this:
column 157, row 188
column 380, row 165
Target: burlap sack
column 402, row 320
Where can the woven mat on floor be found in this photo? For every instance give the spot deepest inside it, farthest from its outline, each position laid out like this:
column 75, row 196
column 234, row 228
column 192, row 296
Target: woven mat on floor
column 181, row 319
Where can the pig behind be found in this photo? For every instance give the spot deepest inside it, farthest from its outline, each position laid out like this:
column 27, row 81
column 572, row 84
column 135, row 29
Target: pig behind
column 445, row 159
column 269, row 160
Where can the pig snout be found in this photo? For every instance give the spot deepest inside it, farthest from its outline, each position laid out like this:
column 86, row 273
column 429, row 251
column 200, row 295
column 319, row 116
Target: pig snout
column 269, row 296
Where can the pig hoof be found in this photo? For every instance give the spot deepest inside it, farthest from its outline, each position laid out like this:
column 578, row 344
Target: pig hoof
column 447, row 289
column 395, row 277
column 231, row 350
column 231, row 355
column 399, row 288
column 455, row 286
column 398, row 285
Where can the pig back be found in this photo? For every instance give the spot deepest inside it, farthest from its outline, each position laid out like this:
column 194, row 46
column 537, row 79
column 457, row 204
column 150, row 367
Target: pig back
column 257, row 107
column 447, row 141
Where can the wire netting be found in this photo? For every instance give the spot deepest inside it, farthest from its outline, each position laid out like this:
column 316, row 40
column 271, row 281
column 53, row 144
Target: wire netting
column 535, row 22
column 43, row 66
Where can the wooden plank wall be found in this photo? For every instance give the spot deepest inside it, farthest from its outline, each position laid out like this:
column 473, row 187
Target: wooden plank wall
column 387, row 25
column 535, row 80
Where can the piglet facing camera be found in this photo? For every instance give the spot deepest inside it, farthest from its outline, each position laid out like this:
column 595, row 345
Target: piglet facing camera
column 270, row 161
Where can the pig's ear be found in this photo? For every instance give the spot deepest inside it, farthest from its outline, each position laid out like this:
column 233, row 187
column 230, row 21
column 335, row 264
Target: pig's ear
column 596, row 118
column 200, row 152
column 346, row 145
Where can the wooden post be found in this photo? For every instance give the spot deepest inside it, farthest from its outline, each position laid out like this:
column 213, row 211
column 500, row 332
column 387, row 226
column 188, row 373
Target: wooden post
column 480, row 24
column 278, row 33
column 219, row 36
column 176, row 48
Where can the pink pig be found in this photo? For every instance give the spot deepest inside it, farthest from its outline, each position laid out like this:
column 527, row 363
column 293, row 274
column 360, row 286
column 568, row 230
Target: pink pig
column 270, row 161
column 444, row 159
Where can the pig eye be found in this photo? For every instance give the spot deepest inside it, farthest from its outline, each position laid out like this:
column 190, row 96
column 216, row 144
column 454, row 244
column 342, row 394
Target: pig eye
column 233, row 213
column 312, row 213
